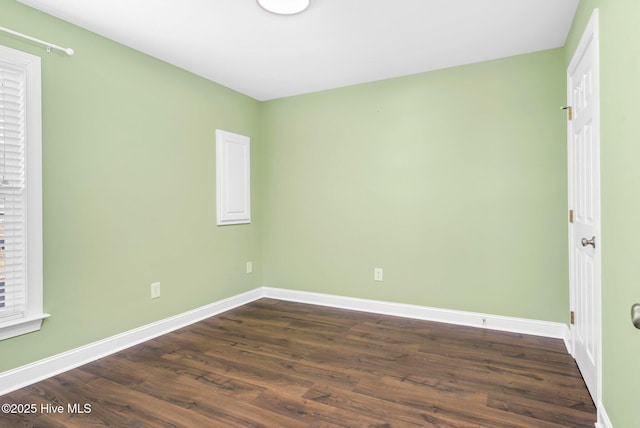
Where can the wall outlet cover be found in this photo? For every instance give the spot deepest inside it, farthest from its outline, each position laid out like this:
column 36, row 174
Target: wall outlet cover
column 155, row 290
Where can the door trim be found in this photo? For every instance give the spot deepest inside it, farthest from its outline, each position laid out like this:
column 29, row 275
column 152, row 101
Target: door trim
column 591, row 33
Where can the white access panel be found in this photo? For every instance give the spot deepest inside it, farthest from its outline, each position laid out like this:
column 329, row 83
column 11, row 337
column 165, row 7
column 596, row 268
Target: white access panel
column 233, row 178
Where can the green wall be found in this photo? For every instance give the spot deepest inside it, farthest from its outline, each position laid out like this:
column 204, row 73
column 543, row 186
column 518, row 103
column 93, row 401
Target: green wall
column 129, row 189
column 620, row 152
column 453, row 182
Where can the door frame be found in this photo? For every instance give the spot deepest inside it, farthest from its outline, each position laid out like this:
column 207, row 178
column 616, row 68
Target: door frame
column 591, row 33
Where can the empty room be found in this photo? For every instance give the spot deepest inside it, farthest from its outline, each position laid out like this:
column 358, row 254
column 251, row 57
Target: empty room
column 319, row 213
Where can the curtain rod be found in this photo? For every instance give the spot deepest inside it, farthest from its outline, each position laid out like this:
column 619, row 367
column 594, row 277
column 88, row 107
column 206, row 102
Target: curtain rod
column 49, row 46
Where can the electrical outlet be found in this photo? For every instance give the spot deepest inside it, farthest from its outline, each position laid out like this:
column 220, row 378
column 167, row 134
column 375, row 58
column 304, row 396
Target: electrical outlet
column 155, row 290
column 249, row 267
column 377, row 274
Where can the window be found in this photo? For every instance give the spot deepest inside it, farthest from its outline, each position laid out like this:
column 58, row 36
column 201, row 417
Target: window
column 20, row 194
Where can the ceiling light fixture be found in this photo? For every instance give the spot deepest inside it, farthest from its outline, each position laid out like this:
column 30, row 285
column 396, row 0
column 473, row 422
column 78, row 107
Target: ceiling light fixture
column 284, row 7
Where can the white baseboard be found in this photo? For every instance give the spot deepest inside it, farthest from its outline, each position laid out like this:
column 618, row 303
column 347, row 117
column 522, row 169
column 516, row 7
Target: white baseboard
column 471, row 319
column 603, row 417
column 31, row 373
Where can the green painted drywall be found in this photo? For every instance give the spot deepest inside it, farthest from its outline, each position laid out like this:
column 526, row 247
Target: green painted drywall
column 129, row 189
column 453, row 182
column 620, row 178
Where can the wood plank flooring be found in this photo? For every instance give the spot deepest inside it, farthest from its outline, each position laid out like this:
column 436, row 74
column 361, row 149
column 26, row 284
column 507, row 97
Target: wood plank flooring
column 280, row 364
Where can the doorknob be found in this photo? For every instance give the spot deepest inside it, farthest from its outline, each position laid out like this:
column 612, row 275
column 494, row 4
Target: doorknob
column 635, row 315
column 591, row 242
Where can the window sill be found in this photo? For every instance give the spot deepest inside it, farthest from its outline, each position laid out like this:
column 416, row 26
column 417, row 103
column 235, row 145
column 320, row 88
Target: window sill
column 21, row 326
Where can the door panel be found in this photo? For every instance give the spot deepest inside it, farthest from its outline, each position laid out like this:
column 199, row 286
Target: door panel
column 584, row 200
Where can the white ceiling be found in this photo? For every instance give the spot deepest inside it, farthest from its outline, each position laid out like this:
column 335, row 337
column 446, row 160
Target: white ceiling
column 334, row 43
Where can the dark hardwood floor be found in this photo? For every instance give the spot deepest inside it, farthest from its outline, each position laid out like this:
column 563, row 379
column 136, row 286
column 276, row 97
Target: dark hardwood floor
column 279, row 364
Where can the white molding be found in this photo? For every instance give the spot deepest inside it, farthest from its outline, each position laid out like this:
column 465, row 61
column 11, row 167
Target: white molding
column 20, row 326
column 31, row 373
column 471, row 319
column 603, row 417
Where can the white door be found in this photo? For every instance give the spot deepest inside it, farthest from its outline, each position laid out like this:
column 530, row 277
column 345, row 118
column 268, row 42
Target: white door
column 584, row 203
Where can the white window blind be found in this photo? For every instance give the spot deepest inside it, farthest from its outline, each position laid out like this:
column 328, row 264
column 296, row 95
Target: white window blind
column 12, row 201
column 21, row 303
